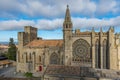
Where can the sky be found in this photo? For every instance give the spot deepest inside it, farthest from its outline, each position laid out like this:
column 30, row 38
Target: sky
column 48, row 16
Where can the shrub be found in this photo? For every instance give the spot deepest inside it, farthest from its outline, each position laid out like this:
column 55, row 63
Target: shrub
column 28, row 74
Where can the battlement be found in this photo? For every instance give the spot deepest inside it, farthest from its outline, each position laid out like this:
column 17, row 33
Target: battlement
column 29, row 34
column 30, row 29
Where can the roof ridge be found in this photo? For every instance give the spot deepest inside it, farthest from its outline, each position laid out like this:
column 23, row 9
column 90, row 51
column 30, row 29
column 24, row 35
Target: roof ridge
column 48, row 42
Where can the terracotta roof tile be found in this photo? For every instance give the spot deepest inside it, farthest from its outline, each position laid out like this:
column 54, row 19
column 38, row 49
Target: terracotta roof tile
column 84, row 33
column 42, row 43
column 3, row 62
column 63, row 70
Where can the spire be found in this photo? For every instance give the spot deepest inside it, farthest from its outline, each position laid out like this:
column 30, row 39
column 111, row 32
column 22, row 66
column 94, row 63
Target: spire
column 111, row 28
column 67, row 25
column 67, row 15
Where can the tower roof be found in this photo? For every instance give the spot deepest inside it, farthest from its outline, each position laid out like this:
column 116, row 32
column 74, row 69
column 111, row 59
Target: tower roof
column 67, row 15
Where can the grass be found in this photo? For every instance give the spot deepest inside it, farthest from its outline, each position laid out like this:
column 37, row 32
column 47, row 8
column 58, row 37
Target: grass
column 28, row 74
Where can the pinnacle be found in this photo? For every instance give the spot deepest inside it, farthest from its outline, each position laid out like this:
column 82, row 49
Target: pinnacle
column 67, row 6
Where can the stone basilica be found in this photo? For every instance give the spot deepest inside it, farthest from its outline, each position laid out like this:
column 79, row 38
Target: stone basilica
column 79, row 56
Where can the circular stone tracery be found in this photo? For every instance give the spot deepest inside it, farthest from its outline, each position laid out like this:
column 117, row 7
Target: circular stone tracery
column 81, row 49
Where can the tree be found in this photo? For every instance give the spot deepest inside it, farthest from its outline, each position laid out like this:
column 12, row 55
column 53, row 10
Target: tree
column 12, row 50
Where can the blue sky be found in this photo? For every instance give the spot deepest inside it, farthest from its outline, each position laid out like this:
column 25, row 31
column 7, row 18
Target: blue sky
column 48, row 16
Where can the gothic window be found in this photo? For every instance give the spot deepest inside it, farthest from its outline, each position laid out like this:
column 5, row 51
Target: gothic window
column 40, row 58
column 33, row 54
column 104, row 54
column 81, row 50
column 30, row 56
column 97, row 55
column 69, row 25
column 54, row 59
column 26, row 56
column 66, row 26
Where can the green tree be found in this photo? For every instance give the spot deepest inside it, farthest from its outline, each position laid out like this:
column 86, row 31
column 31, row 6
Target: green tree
column 12, row 50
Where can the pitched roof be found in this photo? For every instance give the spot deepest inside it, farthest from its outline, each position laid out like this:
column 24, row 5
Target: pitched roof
column 43, row 43
column 57, row 70
column 63, row 70
column 4, row 62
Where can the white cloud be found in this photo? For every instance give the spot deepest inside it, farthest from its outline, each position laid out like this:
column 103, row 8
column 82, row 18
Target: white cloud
column 53, row 8
column 49, row 24
column 58, row 23
column 10, row 8
column 105, row 6
column 96, row 23
column 57, row 8
column 14, row 24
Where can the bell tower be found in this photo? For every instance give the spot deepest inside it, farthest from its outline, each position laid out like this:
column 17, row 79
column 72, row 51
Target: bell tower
column 67, row 37
column 67, row 25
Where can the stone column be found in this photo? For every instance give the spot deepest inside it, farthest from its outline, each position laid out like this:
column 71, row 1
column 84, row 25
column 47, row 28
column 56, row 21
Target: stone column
column 118, row 62
column 93, row 48
column 17, row 58
column 93, row 56
column 25, row 56
column 101, row 54
column 101, row 49
column 33, row 61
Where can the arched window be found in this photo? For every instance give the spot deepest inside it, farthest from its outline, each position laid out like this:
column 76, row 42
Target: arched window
column 26, row 57
column 54, row 59
column 97, row 54
column 104, row 54
column 66, row 26
column 34, row 55
column 39, row 58
column 30, row 57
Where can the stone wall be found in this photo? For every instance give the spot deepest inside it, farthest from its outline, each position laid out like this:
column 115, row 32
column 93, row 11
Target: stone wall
column 69, row 78
column 3, row 78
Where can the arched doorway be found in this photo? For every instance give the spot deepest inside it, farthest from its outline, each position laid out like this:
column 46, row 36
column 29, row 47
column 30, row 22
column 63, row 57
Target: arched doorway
column 54, row 59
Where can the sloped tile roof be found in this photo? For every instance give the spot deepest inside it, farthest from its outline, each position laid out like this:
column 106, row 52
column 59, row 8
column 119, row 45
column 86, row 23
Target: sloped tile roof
column 42, row 43
column 63, row 70
column 56, row 70
column 4, row 62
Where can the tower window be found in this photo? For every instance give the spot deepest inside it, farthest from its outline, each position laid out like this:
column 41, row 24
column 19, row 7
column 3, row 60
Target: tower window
column 40, row 58
column 66, row 26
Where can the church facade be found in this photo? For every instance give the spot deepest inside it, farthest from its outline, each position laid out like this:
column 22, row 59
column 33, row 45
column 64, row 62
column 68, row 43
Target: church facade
column 96, row 50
